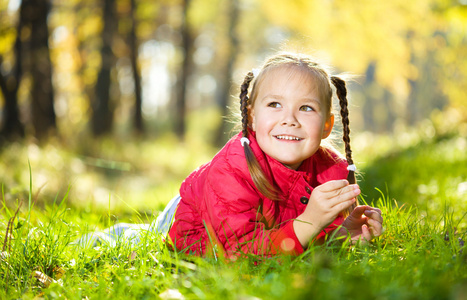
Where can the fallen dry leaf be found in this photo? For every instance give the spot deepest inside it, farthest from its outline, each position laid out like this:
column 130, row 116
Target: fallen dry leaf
column 44, row 279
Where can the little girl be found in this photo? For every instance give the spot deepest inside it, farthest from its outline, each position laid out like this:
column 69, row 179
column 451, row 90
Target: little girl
column 273, row 188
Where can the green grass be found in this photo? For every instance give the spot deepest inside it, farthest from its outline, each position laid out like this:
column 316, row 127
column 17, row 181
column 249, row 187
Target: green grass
column 430, row 175
column 421, row 255
column 415, row 259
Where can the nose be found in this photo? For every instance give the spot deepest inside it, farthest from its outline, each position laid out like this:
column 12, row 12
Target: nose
column 289, row 119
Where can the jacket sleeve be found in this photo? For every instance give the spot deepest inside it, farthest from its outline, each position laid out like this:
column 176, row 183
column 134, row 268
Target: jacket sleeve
column 233, row 207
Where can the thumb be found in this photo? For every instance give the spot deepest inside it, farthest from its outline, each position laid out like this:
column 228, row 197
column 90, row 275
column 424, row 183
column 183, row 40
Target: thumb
column 366, row 235
column 358, row 211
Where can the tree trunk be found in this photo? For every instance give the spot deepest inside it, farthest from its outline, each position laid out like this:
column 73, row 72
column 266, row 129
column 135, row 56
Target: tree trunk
column 368, row 106
column 180, row 103
column 412, row 111
column 12, row 128
column 80, row 11
column 389, row 107
column 102, row 110
column 227, row 73
column 133, row 41
column 42, row 93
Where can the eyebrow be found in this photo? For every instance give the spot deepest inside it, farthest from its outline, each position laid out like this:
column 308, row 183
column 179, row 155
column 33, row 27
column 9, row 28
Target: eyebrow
column 277, row 97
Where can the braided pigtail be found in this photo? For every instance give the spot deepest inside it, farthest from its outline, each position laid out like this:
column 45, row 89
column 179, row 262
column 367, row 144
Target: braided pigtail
column 244, row 102
column 257, row 174
column 341, row 92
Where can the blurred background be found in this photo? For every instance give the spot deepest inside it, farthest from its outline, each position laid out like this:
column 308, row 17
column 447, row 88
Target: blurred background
column 119, row 100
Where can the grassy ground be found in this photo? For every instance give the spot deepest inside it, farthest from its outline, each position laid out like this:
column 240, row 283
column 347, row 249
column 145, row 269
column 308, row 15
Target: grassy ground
column 420, row 256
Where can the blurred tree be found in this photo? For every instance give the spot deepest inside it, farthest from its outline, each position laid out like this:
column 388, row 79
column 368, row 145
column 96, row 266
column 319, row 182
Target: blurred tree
column 42, row 91
column 85, row 32
column 109, row 64
column 31, row 55
column 412, row 110
column 388, row 104
column 191, row 50
column 226, row 78
column 133, row 44
column 101, row 102
column 12, row 128
column 369, row 101
column 185, row 71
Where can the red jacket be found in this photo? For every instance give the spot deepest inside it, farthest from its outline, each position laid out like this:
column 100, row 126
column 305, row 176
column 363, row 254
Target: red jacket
column 221, row 210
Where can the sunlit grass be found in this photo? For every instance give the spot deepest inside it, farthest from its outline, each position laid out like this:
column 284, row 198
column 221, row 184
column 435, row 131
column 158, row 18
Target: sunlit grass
column 144, row 175
column 431, row 175
column 415, row 258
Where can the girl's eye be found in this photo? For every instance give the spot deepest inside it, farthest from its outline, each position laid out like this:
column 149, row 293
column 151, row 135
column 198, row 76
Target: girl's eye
column 274, row 105
column 306, row 108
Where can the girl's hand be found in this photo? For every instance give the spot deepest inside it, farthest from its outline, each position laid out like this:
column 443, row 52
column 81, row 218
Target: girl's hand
column 326, row 202
column 363, row 224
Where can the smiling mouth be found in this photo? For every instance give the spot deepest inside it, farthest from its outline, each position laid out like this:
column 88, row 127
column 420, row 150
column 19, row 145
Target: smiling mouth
column 287, row 138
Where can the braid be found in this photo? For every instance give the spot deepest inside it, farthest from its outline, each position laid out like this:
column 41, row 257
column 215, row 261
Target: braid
column 244, row 102
column 257, row 174
column 341, row 92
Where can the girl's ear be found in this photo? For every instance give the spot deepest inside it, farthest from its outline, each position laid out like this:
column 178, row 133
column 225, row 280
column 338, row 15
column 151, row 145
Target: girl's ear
column 328, row 126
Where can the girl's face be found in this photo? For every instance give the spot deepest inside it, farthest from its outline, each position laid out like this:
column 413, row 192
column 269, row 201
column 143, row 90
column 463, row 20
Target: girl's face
column 289, row 117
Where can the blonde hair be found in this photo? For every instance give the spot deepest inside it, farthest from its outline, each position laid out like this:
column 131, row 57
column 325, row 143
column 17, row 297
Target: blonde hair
column 322, row 79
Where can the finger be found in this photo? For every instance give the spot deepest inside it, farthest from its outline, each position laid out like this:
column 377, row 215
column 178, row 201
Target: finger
column 346, row 194
column 346, row 189
column 372, row 214
column 364, row 237
column 359, row 210
column 376, row 228
column 343, row 205
column 332, row 185
column 342, row 200
column 366, row 234
column 375, row 209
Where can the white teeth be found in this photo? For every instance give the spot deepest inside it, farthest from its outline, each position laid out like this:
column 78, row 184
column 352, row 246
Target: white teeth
column 286, row 137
